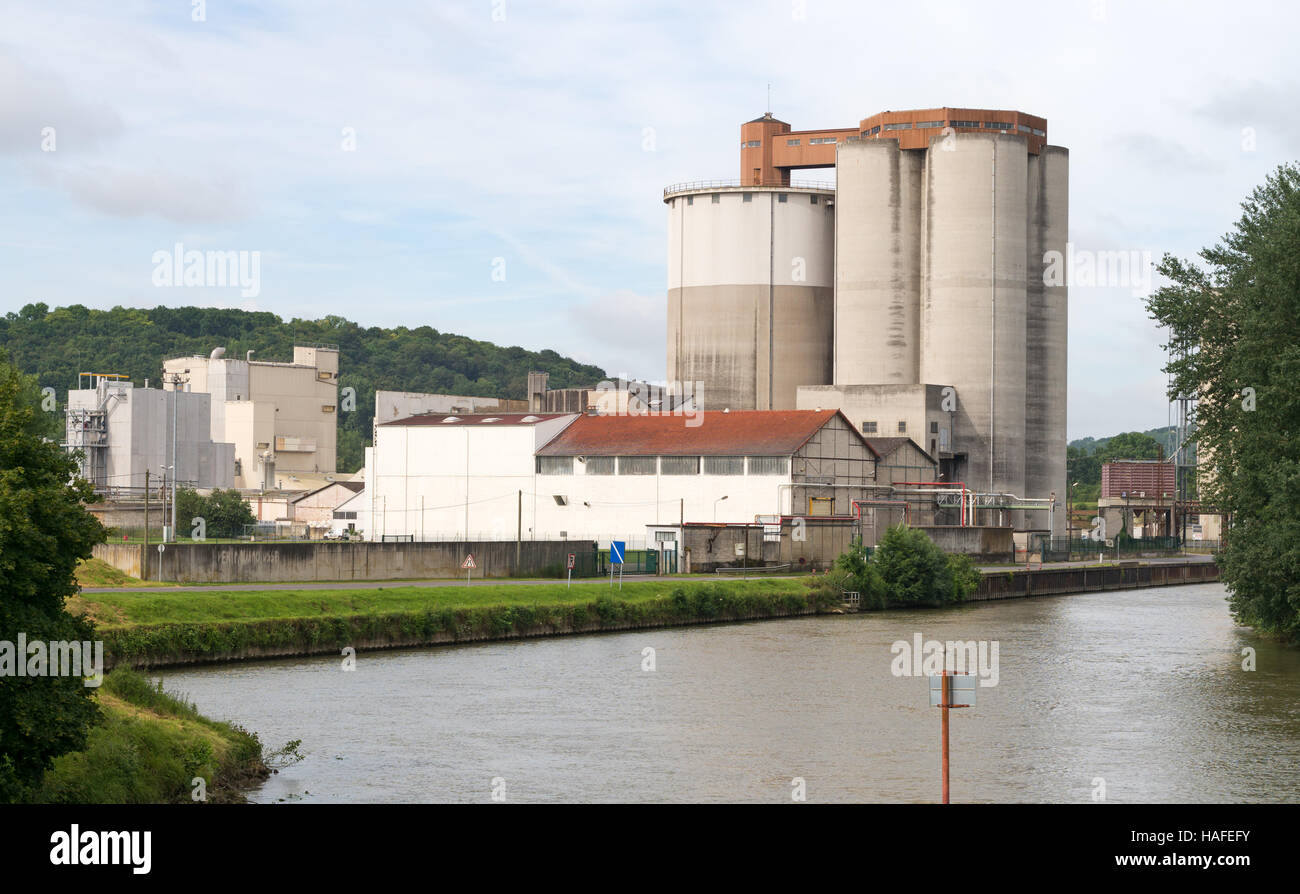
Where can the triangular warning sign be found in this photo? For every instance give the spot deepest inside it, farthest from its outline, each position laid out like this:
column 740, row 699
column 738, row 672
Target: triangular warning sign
column 469, row 562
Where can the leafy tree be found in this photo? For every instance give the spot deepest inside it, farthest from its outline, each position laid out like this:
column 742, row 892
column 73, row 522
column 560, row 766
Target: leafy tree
column 1233, row 332
column 224, row 512
column 915, row 571
column 1129, row 445
column 44, row 530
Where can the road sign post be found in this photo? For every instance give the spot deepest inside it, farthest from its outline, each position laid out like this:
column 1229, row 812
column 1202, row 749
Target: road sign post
column 468, row 565
column 949, row 690
column 571, row 558
column 617, row 549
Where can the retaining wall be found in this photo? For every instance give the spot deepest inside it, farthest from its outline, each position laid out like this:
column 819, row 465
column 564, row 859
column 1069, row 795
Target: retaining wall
column 1060, row 581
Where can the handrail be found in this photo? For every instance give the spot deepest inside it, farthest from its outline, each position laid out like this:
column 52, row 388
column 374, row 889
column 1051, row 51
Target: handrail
column 690, row 185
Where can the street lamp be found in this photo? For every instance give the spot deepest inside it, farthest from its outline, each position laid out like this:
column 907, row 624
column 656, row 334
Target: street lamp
column 715, row 507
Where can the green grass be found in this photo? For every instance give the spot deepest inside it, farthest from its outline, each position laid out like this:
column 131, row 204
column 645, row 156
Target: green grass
column 98, row 573
column 148, row 748
column 124, row 610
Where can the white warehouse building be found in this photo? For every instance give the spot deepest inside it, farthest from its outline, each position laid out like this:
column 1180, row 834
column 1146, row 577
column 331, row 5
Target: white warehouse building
column 596, row 477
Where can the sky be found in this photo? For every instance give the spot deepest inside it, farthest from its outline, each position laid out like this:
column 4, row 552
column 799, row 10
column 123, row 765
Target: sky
column 495, row 168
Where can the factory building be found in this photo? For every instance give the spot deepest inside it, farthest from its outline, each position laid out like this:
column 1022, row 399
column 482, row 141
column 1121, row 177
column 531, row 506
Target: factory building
column 910, row 294
column 281, row 417
column 597, row 477
column 124, row 432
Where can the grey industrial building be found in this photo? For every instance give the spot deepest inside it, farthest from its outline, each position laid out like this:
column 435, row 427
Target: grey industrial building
column 910, row 294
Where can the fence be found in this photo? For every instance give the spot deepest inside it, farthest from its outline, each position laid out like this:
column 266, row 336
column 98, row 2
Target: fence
column 1059, row 549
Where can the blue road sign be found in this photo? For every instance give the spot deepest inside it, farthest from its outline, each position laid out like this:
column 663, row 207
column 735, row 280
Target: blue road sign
column 616, row 550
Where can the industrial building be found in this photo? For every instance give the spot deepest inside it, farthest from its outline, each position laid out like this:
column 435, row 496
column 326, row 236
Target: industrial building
column 281, row 417
column 909, row 294
column 125, row 434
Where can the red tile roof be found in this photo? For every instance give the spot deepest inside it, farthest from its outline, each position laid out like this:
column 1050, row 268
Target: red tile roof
column 708, row 433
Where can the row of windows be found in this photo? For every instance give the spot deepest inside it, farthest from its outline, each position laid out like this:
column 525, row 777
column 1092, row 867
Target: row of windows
column 816, row 140
column 665, row 465
column 871, row 428
column 988, row 125
column 716, row 198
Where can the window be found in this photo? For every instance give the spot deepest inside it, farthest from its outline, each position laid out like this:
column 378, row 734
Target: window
column 724, row 465
column 637, row 465
column 934, row 428
column 868, row 428
column 600, row 465
column 690, row 200
column 905, row 125
column 902, row 427
column 813, row 199
column 964, row 124
column 875, row 130
column 769, row 465
column 716, row 198
column 749, row 197
column 792, row 142
column 783, row 198
column 921, row 124
column 821, row 506
column 554, row 465
column 753, row 144
column 338, row 514
column 327, row 408
column 998, row 125
column 679, row 465
column 1038, row 133
column 1023, row 128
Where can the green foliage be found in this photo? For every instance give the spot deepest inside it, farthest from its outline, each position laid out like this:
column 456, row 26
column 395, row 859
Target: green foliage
column 44, row 531
column 224, row 512
column 1084, row 458
column 55, row 345
column 1233, row 326
column 905, row 569
column 149, row 748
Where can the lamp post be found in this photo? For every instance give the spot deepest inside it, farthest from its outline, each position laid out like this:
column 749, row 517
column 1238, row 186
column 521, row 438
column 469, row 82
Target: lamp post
column 715, row 506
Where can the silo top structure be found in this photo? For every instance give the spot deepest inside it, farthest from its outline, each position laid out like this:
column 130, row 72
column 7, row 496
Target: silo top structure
column 770, row 150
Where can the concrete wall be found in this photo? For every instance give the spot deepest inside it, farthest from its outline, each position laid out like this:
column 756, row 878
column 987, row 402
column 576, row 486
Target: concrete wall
column 750, row 294
column 918, row 407
column 289, row 562
column 983, row 544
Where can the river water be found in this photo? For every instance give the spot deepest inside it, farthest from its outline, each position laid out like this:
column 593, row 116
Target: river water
column 1142, row 692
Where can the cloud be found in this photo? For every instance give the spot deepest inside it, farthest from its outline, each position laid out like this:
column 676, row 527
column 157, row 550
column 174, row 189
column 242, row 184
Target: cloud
column 205, row 197
column 33, row 99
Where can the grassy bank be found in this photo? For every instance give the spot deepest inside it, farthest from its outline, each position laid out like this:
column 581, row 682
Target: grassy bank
column 148, row 748
column 98, row 573
column 158, row 628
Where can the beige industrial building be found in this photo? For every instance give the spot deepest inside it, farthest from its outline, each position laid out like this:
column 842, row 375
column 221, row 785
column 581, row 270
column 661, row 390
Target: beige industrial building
column 910, row 294
column 281, row 417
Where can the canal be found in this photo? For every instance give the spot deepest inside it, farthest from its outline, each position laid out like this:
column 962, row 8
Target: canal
column 1141, row 691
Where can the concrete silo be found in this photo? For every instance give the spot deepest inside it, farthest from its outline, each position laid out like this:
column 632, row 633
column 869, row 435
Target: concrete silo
column 750, row 292
column 974, row 300
column 878, row 262
column 1045, row 328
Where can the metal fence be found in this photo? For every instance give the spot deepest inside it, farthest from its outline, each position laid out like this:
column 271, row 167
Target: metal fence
column 1061, row 549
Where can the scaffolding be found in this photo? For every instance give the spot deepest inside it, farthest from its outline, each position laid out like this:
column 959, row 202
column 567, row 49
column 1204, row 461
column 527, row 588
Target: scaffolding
column 87, row 429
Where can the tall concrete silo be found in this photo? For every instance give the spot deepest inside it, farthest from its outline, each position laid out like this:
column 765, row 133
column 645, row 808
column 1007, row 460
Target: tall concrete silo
column 878, row 262
column 750, row 292
column 1045, row 329
column 974, row 301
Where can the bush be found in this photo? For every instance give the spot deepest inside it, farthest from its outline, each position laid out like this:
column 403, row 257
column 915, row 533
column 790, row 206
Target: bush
column 905, row 569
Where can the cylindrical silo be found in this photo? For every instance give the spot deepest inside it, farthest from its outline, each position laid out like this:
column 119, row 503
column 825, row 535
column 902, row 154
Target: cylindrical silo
column 750, row 293
column 1045, row 328
column 878, row 267
column 973, row 305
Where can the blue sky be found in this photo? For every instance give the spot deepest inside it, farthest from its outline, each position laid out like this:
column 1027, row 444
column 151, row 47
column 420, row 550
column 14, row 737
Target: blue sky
column 544, row 133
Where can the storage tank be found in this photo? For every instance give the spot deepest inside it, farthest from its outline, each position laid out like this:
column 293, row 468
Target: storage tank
column 973, row 305
column 750, row 292
column 878, row 271
column 1045, row 330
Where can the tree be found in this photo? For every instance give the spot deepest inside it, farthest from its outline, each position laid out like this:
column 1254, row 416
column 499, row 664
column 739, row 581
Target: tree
column 224, row 512
column 1233, row 333
column 44, row 531
column 1129, row 445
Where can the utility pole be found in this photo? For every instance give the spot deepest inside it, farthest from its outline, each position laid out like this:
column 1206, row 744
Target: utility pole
column 176, row 380
column 144, row 556
column 519, row 531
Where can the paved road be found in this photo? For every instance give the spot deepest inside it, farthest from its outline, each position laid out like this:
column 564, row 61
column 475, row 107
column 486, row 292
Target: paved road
column 493, row 582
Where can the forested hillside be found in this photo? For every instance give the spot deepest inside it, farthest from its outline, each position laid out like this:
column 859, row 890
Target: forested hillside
column 56, row 345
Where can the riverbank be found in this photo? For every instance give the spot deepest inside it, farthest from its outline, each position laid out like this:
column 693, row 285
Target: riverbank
column 160, row 628
column 148, row 748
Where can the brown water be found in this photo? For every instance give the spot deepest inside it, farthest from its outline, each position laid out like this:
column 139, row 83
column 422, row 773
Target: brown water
column 1143, row 688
